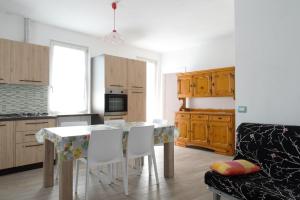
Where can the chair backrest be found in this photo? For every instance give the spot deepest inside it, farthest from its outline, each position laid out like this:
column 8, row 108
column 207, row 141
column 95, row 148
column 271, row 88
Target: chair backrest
column 105, row 146
column 276, row 148
column 140, row 141
column 160, row 121
column 116, row 122
column 75, row 123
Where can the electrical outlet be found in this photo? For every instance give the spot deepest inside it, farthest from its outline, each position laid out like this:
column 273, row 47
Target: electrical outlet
column 242, row 109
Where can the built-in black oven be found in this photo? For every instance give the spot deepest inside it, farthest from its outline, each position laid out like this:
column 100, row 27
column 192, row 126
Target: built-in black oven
column 115, row 102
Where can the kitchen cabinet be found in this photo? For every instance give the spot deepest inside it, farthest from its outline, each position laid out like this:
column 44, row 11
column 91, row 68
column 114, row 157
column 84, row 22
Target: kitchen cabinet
column 121, row 117
column 202, row 85
column 136, row 74
column 30, row 64
column 212, row 129
column 5, row 60
column 115, row 71
column 218, row 82
column 182, row 122
column 28, row 151
column 136, row 106
column 223, row 83
column 221, row 137
column 184, row 86
column 6, row 145
column 199, row 130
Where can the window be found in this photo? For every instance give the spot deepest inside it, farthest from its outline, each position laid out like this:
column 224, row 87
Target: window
column 68, row 79
column 153, row 103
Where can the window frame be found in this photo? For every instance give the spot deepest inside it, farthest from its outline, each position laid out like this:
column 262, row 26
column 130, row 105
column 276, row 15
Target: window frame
column 87, row 74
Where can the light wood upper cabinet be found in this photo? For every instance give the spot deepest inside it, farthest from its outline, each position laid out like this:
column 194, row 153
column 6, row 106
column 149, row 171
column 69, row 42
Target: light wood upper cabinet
column 184, row 86
column 136, row 106
column 202, row 85
column 115, row 71
column 30, row 64
column 6, row 145
column 5, row 60
column 136, row 74
column 223, row 83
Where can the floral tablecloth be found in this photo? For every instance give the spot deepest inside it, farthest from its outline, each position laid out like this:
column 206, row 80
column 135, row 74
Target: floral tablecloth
column 72, row 142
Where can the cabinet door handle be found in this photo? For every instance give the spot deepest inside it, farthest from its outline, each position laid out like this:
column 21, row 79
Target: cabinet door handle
column 33, row 81
column 30, row 123
column 2, row 124
column 137, row 92
column 34, row 145
column 116, row 118
column 137, row 87
column 1, row 79
column 29, row 134
column 117, row 85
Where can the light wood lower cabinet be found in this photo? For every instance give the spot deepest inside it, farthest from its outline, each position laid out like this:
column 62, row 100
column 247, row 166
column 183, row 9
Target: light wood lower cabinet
column 210, row 131
column 7, row 145
column 29, row 153
column 136, row 105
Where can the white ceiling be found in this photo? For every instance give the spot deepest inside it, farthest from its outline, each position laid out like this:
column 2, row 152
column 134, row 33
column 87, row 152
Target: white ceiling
column 159, row 25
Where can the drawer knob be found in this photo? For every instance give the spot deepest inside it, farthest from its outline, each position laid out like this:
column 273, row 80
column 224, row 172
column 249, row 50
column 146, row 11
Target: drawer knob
column 220, row 118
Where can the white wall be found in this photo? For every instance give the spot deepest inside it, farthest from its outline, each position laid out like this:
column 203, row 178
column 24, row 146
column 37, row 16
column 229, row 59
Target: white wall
column 12, row 27
column 268, row 60
column 210, row 54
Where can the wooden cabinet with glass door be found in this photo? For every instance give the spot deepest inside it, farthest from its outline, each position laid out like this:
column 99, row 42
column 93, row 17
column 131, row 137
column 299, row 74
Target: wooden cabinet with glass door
column 5, row 60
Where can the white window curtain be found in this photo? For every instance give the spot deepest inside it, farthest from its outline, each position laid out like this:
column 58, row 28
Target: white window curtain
column 153, row 100
column 68, row 79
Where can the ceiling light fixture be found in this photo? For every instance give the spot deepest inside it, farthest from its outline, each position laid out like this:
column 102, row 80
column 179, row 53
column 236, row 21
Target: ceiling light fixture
column 114, row 37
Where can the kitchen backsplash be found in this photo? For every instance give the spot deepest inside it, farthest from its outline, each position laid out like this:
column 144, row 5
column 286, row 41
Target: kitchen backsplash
column 23, row 98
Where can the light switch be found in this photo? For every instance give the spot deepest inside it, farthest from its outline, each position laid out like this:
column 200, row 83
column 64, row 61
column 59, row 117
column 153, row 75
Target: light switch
column 242, row 109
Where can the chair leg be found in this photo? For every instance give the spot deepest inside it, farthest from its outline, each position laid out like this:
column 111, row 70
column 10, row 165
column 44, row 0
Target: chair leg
column 216, row 196
column 57, row 170
column 110, row 171
column 155, row 166
column 149, row 164
column 125, row 175
column 77, row 173
column 86, row 181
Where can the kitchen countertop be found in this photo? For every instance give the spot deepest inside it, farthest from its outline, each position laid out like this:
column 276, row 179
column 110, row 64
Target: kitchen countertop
column 16, row 118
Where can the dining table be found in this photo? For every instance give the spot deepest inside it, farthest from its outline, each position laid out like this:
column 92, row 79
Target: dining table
column 71, row 143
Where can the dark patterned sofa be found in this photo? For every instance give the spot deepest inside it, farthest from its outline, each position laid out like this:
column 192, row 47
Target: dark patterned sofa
column 276, row 148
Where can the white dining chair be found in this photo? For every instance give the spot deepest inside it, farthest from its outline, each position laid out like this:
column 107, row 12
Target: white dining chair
column 105, row 147
column 160, row 121
column 141, row 143
column 66, row 124
column 116, row 122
